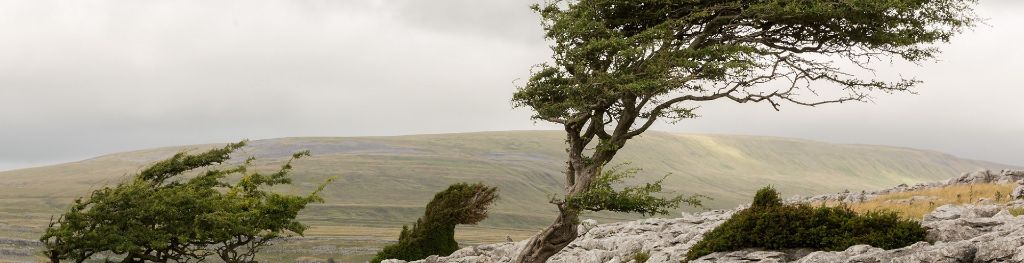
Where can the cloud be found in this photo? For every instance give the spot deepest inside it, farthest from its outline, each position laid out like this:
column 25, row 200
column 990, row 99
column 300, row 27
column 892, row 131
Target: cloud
column 85, row 78
column 510, row 20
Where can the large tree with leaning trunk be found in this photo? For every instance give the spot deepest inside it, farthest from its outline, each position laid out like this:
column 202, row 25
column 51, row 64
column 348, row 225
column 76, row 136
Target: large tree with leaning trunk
column 620, row 66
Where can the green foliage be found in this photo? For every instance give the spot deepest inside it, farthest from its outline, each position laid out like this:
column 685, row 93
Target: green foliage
column 641, row 257
column 612, row 53
column 603, row 195
column 766, row 197
column 434, row 233
column 161, row 215
column 772, row 225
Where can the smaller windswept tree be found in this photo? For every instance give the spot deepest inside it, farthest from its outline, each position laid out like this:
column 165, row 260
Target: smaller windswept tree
column 434, row 233
column 162, row 215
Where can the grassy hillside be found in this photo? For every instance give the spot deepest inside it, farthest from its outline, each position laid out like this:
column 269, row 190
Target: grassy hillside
column 384, row 182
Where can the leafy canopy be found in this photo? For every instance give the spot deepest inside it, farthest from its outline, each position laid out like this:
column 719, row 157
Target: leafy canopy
column 627, row 63
column 163, row 215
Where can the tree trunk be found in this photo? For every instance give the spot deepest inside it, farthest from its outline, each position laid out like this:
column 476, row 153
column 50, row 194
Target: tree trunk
column 558, row 235
column 563, row 231
column 579, row 175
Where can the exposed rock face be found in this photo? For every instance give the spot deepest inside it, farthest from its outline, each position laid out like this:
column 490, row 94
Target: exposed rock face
column 971, row 233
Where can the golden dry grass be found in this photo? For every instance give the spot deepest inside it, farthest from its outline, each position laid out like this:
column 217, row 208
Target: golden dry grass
column 915, row 204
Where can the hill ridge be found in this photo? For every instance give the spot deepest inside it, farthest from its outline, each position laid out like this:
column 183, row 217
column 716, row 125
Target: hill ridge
column 384, row 182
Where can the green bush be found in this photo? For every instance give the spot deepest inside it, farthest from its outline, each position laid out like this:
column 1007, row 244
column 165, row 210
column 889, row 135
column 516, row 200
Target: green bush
column 769, row 224
column 434, row 233
column 766, row 197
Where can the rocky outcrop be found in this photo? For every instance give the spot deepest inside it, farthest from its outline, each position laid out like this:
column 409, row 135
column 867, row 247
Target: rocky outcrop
column 977, row 177
column 1018, row 193
column 970, row 233
column 986, row 176
column 666, row 240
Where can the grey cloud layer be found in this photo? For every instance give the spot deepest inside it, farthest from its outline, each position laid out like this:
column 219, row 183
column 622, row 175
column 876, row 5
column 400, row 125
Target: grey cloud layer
column 79, row 79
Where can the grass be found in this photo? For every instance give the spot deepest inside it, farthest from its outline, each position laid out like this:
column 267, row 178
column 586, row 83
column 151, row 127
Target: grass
column 1017, row 211
column 384, row 182
column 915, row 204
column 641, row 256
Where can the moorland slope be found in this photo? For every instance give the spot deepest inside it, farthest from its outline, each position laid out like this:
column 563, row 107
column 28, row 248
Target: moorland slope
column 383, row 182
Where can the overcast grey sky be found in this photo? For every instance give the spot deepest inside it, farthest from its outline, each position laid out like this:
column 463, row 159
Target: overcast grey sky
column 84, row 78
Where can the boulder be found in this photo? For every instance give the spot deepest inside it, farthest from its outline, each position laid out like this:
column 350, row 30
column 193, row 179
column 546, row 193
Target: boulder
column 1017, row 193
column 585, row 226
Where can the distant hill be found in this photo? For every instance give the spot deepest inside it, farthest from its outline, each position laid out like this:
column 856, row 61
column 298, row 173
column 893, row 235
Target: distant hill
column 384, row 182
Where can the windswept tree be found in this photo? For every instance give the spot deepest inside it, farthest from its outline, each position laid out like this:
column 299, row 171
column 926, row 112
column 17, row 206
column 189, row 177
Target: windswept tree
column 620, row 66
column 434, row 233
column 163, row 214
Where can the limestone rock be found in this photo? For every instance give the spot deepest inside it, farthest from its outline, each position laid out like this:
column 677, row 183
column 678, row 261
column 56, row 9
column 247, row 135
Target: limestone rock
column 967, row 233
column 585, row 226
column 1018, row 193
column 743, row 256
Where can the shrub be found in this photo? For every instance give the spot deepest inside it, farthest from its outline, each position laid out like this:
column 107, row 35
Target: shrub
column 771, row 225
column 766, row 197
column 434, row 233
